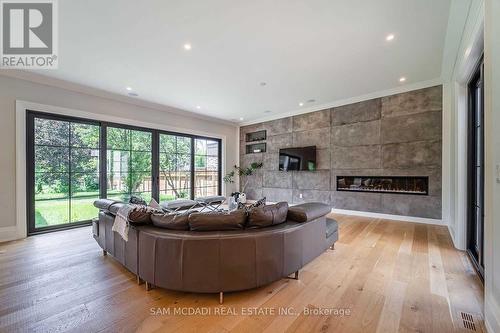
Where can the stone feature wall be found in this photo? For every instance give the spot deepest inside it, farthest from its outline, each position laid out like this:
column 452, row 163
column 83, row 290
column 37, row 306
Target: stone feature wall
column 399, row 135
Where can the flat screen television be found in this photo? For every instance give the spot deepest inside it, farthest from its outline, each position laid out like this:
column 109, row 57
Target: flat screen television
column 298, row 159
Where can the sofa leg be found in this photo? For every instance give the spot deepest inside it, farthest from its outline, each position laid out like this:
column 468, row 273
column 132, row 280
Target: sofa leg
column 296, row 275
column 221, row 297
column 138, row 279
column 149, row 286
column 332, row 247
column 104, row 253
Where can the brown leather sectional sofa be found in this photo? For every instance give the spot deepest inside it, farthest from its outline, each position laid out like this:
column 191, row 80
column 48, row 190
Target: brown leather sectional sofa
column 217, row 261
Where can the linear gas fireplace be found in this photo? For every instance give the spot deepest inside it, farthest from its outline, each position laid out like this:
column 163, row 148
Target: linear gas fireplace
column 377, row 184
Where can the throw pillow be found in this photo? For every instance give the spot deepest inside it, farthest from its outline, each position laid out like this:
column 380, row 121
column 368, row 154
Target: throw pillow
column 266, row 216
column 218, row 221
column 170, row 221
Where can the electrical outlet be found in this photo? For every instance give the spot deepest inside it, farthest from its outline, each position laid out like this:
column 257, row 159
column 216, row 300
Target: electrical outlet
column 300, row 194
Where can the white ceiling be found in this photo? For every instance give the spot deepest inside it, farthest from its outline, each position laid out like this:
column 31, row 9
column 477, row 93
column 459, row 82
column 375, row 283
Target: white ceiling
column 326, row 50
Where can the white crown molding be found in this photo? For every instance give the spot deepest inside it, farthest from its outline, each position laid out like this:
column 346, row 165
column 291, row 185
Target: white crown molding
column 87, row 90
column 357, row 99
column 400, row 218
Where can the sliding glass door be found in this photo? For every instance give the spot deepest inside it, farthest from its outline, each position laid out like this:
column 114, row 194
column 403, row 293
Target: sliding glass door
column 71, row 162
column 63, row 165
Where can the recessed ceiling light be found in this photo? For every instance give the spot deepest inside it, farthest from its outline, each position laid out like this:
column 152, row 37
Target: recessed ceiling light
column 187, row 46
column 263, row 84
column 301, row 104
column 129, row 88
column 389, row 37
column 267, row 111
column 402, row 79
column 133, row 94
column 241, row 118
column 311, row 100
column 198, row 107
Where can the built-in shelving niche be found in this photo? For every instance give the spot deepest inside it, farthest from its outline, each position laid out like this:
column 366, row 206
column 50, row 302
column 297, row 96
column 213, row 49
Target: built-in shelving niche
column 256, row 148
column 256, row 136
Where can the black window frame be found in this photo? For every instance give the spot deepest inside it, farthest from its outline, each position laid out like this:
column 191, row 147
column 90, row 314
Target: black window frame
column 103, row 147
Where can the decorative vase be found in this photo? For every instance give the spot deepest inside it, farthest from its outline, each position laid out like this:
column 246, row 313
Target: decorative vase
column 243, row 198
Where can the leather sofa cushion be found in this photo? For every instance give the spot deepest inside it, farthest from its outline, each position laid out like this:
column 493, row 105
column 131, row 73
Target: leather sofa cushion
column 170, row 221
column 308, row 211
column 331, row 227
column 265, row 216
column 217, row 221
column 111, row 206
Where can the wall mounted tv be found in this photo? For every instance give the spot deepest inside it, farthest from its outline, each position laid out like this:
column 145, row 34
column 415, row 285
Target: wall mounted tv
column 298, row 159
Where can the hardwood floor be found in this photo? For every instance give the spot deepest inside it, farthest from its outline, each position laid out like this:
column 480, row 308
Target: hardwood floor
column 385, row 276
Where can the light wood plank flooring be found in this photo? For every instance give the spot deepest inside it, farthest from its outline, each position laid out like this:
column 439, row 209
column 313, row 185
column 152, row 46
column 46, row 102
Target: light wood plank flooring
column 389, row 276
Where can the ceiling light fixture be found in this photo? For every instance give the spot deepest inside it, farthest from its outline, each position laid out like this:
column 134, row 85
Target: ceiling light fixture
column 267, row 111
column 187, row 47
column 301, row 104
column 402, row 79
column 241, row 118
column 311, row 100
column 198, row 107
column 389, row 37
column 129, row 88
column 263, row 84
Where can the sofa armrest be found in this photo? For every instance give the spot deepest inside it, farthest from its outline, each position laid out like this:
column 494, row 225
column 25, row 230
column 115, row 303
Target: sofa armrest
column 308, row 211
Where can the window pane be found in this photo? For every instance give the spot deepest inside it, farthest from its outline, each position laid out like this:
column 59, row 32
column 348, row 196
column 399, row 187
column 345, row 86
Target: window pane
column 206, row 167
column 140, row 181
column 201, row 147
column 51, row 185
column 141, row 161
column 82, row 209
column 84, row 135
column 84, row 184
column 51, row 212
column 141, row 140
column 118, row 138
column 118, row 161
column 183, row 145
column 212, row 163
column 51, row 132
column 212, row 148
column 51, row 159
column 84, row 160
column 117, row 183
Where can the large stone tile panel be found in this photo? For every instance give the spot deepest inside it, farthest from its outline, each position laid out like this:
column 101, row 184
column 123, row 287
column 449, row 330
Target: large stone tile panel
column 311, row 180
column 317, row 137
column 276, row 142
column 277, row 194
column 415, row 127
column 361, row 157
column 411, row 155
column 357, row 134
column 365, row 202
column 278, row 126
column 311, row 120
column 412, row 205
column 311, row 196
column 277, row 179
column 417, row 101
column 353, row 113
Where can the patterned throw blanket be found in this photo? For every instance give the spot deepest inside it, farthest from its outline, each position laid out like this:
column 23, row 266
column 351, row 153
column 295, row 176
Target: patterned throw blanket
column 121, row 225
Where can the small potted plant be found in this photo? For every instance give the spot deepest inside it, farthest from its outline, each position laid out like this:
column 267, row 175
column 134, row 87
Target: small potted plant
column 244, row 174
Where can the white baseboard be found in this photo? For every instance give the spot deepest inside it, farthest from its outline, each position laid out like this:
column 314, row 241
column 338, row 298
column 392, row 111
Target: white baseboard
column 8, row 234
column 491, row 314
column 388, row 216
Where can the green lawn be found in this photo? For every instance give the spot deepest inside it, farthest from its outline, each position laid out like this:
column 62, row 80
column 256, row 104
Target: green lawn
column 54, row 212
